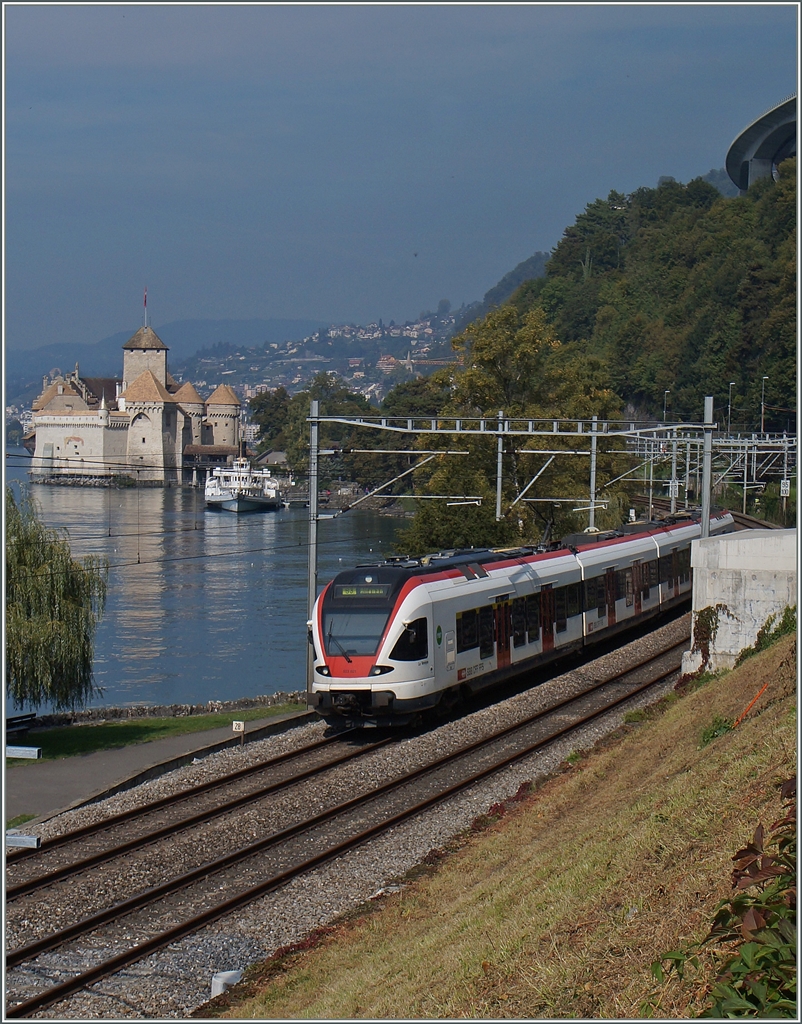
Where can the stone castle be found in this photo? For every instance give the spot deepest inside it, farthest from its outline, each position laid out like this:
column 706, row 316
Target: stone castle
column 144, row 427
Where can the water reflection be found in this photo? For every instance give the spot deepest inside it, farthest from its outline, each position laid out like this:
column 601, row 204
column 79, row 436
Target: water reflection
column 202, row 605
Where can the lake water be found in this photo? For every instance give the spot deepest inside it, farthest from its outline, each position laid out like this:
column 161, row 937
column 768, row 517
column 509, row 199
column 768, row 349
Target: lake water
column 201, row 605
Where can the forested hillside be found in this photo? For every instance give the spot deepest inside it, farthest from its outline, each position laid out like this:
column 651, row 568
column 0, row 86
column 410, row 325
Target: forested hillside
column 679, row 289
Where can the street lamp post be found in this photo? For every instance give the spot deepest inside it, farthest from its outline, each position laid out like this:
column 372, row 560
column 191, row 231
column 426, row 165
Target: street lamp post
column 763, row 403
column 665, row 400
column 729, row 408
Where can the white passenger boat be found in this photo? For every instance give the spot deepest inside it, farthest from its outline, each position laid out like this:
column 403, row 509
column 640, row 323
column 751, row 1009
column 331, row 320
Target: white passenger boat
column 241, row 488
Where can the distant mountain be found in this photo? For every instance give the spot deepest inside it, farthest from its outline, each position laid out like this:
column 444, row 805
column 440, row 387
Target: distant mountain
column 534, row 267
column 183, row 337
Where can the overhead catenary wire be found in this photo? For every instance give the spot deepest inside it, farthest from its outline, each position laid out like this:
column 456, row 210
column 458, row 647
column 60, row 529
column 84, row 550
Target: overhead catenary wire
column 271, row 548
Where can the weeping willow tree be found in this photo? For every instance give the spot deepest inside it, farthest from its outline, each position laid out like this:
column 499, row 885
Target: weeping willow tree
column 53, row 605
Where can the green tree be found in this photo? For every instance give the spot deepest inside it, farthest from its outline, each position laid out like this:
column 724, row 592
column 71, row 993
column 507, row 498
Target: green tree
column 13, row 432
column 335, row 400
column 505, row 356
column 269, row 412
column 53, row 605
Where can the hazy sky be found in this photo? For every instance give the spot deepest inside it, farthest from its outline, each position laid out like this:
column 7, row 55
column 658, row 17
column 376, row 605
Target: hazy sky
column 343, row 162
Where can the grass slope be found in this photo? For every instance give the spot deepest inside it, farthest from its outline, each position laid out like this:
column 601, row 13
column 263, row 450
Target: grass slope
column 558, row 907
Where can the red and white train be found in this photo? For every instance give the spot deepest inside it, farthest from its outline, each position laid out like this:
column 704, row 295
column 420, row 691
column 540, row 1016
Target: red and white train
column 399, row 638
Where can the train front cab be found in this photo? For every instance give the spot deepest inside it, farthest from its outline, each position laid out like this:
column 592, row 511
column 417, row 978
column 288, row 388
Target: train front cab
column 373, row 649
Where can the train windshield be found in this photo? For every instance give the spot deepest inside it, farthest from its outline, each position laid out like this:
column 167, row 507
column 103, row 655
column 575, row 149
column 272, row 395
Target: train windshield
column 354, row 631
column 356, row 608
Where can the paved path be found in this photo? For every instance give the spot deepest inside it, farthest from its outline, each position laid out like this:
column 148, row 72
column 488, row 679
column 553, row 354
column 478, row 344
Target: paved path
column 44, row 788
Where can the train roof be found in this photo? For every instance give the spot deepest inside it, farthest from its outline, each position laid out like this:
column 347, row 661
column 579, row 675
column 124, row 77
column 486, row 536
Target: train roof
column 456, row 557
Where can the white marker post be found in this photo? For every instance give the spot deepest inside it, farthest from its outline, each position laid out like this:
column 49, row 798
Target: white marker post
column 17, row 839
column 240, row 728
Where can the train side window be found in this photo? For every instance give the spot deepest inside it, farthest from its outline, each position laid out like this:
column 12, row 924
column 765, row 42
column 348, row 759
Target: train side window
column 572, row 599
column 486, row 631
column 595, row 596
column 601, row 596
column 654, row 573
column 519, row 622
column 533, row 618
column 621, row 584
column 560, row 609
column 413, row 644
column 467, row 631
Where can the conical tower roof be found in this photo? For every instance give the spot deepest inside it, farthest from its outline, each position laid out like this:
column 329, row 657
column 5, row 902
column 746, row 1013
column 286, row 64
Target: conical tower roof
column 147, row 389
column 187, row 395
column 223, row 395
column 145, row 338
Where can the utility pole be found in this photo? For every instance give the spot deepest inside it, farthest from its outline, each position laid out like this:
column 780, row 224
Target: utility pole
column 784, row 487
column 499, row 456
column 707, row 466
column 746, row 470
column 593, row 439
column 311, row 594
column 763, row 403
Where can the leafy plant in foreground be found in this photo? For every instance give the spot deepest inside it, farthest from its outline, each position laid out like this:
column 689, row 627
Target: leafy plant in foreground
column 753, row 935
column 769, row 634
column 719, row 727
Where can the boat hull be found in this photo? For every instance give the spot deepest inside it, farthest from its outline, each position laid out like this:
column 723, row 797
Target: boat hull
column 243, row 503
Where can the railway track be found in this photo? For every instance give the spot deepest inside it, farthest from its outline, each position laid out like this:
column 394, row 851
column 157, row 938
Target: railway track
column 123, row 928
column 64, row 856
column 742, row 522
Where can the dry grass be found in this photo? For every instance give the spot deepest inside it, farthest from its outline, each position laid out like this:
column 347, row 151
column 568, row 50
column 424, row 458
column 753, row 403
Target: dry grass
column 558, row 909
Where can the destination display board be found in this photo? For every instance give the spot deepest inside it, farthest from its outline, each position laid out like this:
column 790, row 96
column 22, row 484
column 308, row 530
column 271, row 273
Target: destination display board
column 362, row 590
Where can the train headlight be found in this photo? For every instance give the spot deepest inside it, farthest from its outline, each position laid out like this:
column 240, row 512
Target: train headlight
column 380, row 670
column 323, row 670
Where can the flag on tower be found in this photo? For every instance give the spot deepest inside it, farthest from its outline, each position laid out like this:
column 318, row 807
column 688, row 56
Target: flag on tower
column 146, row 297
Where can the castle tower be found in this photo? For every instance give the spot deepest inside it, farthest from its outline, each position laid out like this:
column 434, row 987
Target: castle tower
column 193, row 408
column 221, row 425
column 144, row 351
column 153, row 433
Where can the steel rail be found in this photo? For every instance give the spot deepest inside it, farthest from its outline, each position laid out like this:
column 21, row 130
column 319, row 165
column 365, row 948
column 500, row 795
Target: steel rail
column 739, row 518
column 68, row 870
column 109, row 967
column 167, row 801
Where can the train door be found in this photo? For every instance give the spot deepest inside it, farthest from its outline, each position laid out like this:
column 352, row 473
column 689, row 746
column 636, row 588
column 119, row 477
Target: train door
column 637, row 584
column 609, row 595
column 547, row 616
column 503, row 633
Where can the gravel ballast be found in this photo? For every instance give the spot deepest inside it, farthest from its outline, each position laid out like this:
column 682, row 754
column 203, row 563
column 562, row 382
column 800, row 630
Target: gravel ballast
column 174, row 982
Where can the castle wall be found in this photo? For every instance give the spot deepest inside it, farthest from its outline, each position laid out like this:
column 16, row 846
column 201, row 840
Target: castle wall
column 69, row 444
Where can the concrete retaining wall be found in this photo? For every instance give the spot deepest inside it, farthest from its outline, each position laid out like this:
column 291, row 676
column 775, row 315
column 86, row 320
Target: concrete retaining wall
column 739, row 580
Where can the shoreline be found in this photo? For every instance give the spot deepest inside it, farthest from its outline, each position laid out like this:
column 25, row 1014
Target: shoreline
column 96, row 716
